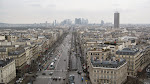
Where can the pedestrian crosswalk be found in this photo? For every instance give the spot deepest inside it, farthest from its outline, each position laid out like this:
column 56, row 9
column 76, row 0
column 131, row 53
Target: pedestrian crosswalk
column 49, row 77
column 44, row 77
column 56, row 70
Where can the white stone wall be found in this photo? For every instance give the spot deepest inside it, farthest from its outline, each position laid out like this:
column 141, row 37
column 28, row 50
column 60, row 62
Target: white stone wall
column 7, row 73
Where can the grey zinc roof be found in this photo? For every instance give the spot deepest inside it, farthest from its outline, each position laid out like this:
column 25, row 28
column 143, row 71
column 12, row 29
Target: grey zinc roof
column 18, row 52
column 2, row 49
column 107, row 64
column 127, row 51
column 5, row 62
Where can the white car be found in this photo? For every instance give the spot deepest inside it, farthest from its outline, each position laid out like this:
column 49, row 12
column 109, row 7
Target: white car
column 51, row 73
column 55, row 59
column 59, row 78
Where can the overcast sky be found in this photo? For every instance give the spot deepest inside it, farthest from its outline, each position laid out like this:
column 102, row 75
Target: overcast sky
column 39, row 11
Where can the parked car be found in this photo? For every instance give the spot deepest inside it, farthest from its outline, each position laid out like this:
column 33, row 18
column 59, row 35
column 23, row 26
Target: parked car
column 71, row 79
column 59, row 78
column 43, row 74
column 55, row 59
column 51, row 73
column 79, row 72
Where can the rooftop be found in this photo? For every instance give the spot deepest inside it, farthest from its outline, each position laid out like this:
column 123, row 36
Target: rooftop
column 108, row 64
column 127, row 51
column 17, row 52
column 5, row 62
column 2, row 49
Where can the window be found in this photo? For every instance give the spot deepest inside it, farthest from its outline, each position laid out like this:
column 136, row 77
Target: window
column 97, row 80
column 97, row 76
column 104, row 76
column 1, row 75
column 107, row 81
column 104, row 81
column 107, row 76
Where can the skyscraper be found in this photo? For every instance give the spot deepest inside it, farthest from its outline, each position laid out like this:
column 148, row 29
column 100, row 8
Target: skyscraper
column 102, row 22
column 77, row 20
column 116, row 20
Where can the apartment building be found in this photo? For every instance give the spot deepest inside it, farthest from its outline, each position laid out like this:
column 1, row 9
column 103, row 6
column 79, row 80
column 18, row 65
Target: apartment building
column 28, row 51
column 97, row 54
column 7, row 70
column 35, row 52
column 19, row 55
column 134, row 58
column 108, row 71
column 3, row 52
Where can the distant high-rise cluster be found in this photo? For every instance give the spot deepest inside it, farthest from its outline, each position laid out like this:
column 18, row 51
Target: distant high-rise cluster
column 84, row 21
column 66, row 22
column 81, row 21
column 102, row 22
column 77, row 20
column 116, row 20
column 54, row 23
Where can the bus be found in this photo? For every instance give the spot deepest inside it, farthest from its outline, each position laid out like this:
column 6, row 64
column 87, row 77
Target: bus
column 52, row 65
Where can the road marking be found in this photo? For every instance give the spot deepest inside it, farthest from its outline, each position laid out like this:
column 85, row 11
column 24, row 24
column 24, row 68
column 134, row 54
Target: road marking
column 44, row 77
column 55, row 70
column 49, row 77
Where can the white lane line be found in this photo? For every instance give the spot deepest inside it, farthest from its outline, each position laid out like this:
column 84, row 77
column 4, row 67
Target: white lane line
column 55, row 70
column 44, row 77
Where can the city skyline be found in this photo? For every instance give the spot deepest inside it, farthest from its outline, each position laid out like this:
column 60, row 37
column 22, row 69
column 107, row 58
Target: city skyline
column 37, row 11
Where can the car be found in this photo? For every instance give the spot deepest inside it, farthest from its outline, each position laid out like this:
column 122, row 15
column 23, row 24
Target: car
column 64, row 60
column 17, row 81
column 55, row 59
column 43, row 74
column 30, row 72
column 79, row 72
column 51, row 73
column 71, row 79
column 29, row 83
column 59, row 78
column 55, row 79
column 20, row 81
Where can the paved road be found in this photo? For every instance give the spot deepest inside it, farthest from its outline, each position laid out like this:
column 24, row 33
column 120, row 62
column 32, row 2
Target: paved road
column 61, row 65
column 76, row 63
